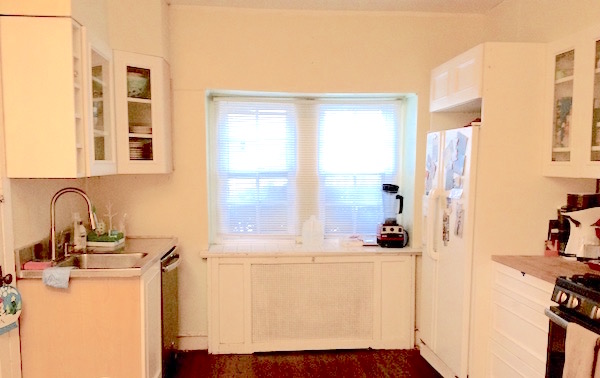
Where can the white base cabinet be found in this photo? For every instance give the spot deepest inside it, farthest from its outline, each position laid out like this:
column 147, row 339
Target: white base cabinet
column 259, row 304
column 98, row 327
column 519, row 333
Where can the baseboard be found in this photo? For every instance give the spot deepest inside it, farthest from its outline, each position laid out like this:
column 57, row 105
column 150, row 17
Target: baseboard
column 193, row 342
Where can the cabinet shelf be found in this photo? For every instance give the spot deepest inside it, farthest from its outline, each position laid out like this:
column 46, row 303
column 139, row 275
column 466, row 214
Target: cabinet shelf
column 139, row 100
column 566, row 79
column 140, row 135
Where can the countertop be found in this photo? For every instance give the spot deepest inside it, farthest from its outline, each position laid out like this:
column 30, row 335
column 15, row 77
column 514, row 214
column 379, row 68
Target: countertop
column 330, row 247
column 543, row 267
column 154, row 247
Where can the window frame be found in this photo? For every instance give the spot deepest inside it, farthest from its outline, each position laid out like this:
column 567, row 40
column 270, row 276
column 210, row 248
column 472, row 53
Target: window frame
column 306, row 103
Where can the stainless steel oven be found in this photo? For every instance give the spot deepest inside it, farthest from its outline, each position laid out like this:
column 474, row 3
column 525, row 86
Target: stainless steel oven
column 170, row 310
column 578, row 299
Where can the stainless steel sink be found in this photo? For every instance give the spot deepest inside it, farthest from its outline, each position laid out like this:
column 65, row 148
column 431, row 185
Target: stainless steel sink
column 104, row 260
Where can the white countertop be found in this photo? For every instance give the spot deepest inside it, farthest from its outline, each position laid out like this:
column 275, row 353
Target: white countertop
column 289, row 248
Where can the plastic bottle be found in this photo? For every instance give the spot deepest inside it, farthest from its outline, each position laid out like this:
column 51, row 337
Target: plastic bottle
column 312, row 233
column 79, row 233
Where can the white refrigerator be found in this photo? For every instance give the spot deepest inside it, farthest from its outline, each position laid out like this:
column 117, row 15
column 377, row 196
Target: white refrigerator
column 447, row 259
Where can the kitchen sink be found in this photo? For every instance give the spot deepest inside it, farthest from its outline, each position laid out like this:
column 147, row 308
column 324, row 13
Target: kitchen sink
column 104, row 260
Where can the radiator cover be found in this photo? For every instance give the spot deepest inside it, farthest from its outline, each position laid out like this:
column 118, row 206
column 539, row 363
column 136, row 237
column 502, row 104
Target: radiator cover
column 312, row 301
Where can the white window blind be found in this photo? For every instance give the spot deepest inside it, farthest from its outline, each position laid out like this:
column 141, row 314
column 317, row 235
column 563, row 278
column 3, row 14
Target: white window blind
column 276, row 161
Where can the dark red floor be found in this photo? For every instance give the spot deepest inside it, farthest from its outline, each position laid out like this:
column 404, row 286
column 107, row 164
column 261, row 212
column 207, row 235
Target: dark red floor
column 342, row 363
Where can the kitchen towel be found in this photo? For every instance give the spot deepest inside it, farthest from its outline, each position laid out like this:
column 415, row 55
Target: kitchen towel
column 581, row 352
column 57, row 276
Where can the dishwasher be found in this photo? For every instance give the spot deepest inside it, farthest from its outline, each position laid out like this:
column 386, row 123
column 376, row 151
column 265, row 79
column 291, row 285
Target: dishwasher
column 170, row 310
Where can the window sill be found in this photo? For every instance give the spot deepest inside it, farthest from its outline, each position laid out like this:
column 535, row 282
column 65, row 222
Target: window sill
column 291, row 249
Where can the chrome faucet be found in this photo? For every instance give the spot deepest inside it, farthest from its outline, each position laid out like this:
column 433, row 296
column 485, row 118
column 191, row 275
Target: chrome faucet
column 53, row 215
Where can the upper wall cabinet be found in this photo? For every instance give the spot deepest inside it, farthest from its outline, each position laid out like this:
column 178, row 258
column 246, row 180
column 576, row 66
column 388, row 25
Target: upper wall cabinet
column 456, row 84
column 47, row 90
column 572, row 136
column 143, row 100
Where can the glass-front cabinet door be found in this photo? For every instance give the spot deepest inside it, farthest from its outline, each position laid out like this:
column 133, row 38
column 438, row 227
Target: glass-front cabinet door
column 143, row 113
column 573, row 126
column 595, row 127
column 564, row 65
column 101, row 139
column 139, row 108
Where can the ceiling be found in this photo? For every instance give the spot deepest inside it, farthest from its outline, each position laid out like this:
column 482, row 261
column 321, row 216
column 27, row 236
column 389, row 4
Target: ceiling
column 435, row 6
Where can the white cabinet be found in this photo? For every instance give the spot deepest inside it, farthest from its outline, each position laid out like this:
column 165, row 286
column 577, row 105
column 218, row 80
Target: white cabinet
column 142, row 85
column 104, row 327
column 456, row 84
column 299, row 303
column 519, row 333
column 572, row 123
column 47, row 96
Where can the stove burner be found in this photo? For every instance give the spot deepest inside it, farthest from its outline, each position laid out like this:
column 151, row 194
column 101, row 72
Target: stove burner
column 588, row 280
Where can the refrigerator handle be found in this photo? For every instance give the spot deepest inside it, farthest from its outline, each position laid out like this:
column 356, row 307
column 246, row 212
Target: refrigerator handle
column 432, row 208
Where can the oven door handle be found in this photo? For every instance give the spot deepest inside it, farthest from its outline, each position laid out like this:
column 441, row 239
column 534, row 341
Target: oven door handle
column 173, row 264
column 170, row 261
column 556, row 319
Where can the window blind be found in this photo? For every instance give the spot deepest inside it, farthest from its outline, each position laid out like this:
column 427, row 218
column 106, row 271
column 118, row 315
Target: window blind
column 275, row 161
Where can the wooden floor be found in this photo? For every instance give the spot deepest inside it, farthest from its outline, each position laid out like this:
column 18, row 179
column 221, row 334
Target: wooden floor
column 347, row 364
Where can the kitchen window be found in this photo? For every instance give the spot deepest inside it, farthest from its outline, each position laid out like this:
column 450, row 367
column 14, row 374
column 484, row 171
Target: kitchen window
column 275, row 161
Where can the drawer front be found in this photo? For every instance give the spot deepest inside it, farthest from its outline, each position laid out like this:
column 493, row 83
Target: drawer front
column 518, row 322
column 504, row 364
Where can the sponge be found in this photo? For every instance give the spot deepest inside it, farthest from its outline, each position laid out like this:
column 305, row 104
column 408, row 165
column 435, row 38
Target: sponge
column 37, row 265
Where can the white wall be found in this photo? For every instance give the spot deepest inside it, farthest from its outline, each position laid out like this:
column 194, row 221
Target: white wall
column 294, row 51
column 539, row 20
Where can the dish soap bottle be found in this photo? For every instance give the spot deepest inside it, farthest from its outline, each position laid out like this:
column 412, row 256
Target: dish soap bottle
column 79, row 233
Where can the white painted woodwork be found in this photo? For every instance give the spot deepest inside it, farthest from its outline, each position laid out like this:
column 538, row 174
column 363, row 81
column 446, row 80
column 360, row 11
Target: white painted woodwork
column 103, row 327
column 101, row 147
column 585, row 82
column 40, row 113
column 298, row 303
column 159, row 116
column 47, row 99
column 519, row 326
column 457, row 83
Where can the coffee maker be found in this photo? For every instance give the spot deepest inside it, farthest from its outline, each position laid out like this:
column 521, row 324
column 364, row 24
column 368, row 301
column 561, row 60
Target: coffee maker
column 389, row 233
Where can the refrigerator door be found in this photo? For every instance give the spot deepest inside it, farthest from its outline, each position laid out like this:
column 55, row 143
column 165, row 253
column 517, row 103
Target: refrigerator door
column 455, row 248
column 428, row 260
